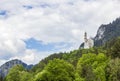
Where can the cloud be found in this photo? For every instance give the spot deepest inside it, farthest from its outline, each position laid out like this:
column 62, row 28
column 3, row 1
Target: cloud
column 57, row 23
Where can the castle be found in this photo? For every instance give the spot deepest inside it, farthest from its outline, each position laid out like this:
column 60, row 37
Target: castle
column 88, row 43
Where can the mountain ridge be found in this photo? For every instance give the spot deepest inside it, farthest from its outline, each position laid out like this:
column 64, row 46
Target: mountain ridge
column 4, row 69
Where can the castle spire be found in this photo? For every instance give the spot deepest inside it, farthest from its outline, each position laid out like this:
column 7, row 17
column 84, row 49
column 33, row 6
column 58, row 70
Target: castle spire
column 85, row 37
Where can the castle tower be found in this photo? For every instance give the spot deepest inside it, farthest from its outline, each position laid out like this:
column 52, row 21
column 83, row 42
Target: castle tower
column 88, row 43
column 85, row 37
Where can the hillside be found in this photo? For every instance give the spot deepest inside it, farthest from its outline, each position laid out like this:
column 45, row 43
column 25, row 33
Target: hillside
column 94, row 64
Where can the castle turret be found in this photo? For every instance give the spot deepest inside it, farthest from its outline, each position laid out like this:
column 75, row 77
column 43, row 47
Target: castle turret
column 85, row 37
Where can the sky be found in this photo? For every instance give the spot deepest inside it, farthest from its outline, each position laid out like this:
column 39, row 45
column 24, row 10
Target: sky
column 31, row 30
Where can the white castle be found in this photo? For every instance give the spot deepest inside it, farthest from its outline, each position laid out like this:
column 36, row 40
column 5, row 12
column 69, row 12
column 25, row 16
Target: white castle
column 88, row 43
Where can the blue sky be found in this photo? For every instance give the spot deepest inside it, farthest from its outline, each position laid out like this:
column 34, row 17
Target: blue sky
column 40, row 46
column 30, row 30
column 28, row 6
column 3, row 12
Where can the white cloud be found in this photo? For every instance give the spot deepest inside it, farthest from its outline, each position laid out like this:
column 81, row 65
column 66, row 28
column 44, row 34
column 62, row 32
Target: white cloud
column 29, row 56
column 60, row 21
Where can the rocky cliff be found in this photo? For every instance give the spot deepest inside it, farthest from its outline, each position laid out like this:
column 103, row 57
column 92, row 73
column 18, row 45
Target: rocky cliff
column 107, row 32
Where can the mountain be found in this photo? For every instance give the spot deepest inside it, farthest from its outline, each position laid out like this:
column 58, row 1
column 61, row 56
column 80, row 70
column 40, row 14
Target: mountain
column 4, row 69
column 107, row 32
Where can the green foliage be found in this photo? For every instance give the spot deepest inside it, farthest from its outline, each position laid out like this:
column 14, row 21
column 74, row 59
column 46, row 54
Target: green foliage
column 113, row 70
column 91, row 67
column 56, row 70
column 18, row 73
column 40, row 66
column 72, row 57
column 14, row 73
column 115, row 49
column 26, row 76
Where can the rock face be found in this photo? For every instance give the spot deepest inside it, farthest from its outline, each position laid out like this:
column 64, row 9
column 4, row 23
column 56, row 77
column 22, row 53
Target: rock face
column 4, row 69
column 107, row 32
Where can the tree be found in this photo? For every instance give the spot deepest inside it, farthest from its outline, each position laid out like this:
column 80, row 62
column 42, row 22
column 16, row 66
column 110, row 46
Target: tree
column 114, row 50
column 56, row 70
column 113, row 70
column 26, row 76
column 91, row 67
column 40, row 66
column 14, row 73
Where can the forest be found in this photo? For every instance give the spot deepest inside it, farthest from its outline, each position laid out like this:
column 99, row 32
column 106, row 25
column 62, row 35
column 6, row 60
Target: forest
column 94, row 64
